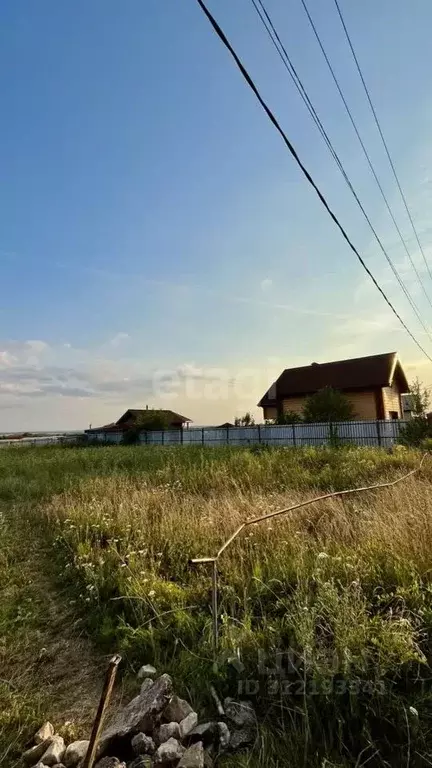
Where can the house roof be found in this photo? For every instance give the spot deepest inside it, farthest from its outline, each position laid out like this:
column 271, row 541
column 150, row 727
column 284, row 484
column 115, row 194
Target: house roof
column 357, row 373
column 132, row 414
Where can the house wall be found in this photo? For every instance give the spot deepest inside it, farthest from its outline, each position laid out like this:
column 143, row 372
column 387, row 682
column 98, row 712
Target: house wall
column 294, row 404
column 270, row 413
column 391, row 401
column 364, row 404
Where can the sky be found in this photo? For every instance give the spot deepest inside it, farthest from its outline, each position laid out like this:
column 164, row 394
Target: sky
column 158, row 244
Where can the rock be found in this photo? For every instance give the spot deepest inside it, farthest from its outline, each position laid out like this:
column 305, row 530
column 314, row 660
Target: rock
column 75, row 753
column 147, row 683
column 142, row 744
column 224, row 736
column 139, row 715
column 59, row 765
column 193, row 757
column 208, row 762
column 34, row 754
column 146, row 671
column 46, row 731
column 168, row 731
column 177, row 710
column 204, row 732
column 243, row 717
column 55, row 751
column 241, row 713
column 188, row 724
column 143, row 761
column 169, row 752
column 242, row 738
column 110, row 762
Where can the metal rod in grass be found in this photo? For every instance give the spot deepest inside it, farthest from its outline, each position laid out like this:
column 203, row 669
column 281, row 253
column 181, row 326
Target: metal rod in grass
column 269, row 516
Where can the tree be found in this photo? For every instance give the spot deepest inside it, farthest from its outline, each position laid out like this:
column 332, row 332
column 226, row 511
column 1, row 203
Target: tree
column 289, row 417
column 417, row 429
column 153, row 420
column 420, row 398
column 328, row 405
column 244, row 421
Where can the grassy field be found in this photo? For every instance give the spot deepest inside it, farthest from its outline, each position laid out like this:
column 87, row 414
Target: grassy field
column 325, row 614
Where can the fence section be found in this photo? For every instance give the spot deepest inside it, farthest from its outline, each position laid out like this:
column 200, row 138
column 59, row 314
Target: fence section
column 71, row 439
column 374, row 433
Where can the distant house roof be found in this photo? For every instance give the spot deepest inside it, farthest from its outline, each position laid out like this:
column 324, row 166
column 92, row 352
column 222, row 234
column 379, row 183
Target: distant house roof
column 132, row 416
column 357, row 373
column 226, row 425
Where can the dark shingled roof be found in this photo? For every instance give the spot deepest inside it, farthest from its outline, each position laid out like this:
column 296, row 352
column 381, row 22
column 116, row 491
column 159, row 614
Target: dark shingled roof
column 130, row 417
column 358, row 373
column 132, row 414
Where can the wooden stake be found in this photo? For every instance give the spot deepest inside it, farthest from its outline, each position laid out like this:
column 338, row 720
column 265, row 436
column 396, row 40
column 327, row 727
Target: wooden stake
column 100, row 714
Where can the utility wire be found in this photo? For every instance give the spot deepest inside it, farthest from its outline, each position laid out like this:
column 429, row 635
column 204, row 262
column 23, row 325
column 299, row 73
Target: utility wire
column 336, row 81
column 378, row 125
column 287, row 62
column 304, row 170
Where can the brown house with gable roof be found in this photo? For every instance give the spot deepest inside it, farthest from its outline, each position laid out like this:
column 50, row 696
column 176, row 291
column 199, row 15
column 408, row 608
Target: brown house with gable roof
column 373, row 385
column 131, row 418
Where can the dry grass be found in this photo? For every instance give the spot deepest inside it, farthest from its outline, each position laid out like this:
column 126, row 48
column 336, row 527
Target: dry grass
column 344, row 586
column 49, row 669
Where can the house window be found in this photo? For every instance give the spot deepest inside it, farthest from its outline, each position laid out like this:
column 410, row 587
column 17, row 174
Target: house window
column 393, row 414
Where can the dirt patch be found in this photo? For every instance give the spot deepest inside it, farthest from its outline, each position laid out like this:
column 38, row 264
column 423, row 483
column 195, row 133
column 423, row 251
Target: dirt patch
column 49, row 669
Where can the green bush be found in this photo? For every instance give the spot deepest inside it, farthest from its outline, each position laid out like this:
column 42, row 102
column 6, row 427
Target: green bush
column 328, row 405
column 289, row 417
column 415, row 432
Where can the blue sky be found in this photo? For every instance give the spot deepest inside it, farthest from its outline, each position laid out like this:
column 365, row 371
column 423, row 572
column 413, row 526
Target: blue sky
column 151, row 220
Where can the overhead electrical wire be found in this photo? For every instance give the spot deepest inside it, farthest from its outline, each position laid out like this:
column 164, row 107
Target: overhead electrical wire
column 286, row 60
column 378, row 125
column 341, row 94
column 303, row 168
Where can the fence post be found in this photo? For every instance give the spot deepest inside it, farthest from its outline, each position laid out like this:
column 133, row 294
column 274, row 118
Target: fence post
column 202, row 436
column 378, row 432
column 163, row 437
column 146, row 437
column 227, row 435
column 294, row 434
column 181, row 435
column 259, row 433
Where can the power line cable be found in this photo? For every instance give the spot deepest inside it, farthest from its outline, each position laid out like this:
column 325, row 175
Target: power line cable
column 302, row 167
column 336, row 81
column 378, row 125
column 286, row 60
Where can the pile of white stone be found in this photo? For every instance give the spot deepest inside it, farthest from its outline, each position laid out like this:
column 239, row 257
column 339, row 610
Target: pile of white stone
column 156, row 729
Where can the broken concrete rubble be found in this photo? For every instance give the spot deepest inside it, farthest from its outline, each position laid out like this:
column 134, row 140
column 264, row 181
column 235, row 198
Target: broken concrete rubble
column 177, row 710
column 157, row 729
column 138, row 715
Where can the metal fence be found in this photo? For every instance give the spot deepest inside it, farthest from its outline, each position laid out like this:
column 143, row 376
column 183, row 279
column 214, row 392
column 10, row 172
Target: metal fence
column 373, row 433
column 44, row 440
